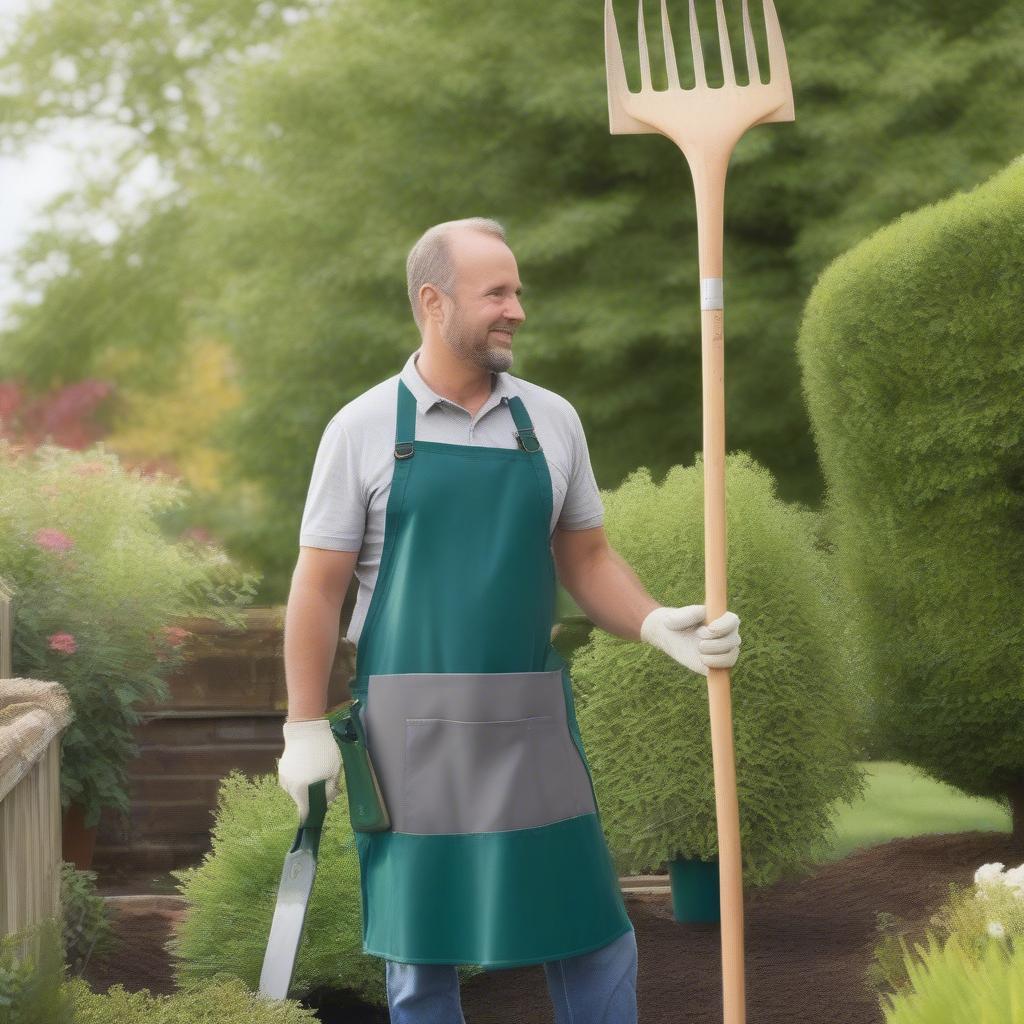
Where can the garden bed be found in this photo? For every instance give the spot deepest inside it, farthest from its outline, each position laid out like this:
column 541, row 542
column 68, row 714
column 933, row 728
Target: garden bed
column 807, row 941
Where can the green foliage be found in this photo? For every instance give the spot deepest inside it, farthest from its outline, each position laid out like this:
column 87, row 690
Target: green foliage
column 644, row 718
column 231, row 896
column 912, row 349
column 33, row 990
column 224, row 1000
column 347, row 127
column 976, row 915
column 31, row 971
column 950, row 986
column 98, row 588
column 87, row 930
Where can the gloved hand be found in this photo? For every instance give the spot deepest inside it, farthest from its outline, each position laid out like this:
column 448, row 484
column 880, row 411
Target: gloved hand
column 310, row 754
column 680, row 633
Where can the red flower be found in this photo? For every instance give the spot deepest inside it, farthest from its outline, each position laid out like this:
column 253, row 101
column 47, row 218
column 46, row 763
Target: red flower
column 53, row 540
column 63, row 642
column 175, row 635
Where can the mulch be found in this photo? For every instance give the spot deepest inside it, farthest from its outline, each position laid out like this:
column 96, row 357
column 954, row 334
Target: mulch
column 807, row 943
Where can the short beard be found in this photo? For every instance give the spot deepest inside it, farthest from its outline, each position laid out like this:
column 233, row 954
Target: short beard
column 460, row 340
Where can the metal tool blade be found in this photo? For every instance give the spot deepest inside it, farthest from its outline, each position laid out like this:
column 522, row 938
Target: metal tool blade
column 292, row 899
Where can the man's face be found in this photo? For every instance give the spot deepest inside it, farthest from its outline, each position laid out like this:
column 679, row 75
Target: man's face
column 486, row 312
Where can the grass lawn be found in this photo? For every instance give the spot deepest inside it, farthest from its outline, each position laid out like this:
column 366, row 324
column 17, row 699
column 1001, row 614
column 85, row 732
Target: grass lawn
column 901, row 801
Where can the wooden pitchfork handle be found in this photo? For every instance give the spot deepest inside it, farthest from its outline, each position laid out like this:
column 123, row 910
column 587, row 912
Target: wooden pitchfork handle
column 706, row 123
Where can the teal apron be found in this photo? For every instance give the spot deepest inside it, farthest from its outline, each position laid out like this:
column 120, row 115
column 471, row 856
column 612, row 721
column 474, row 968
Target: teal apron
column 496, row 855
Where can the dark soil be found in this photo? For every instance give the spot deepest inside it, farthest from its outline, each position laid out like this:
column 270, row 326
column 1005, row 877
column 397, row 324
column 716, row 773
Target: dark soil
column 807, row 944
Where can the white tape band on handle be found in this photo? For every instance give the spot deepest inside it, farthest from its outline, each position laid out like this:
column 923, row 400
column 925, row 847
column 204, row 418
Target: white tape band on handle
column 711, row 293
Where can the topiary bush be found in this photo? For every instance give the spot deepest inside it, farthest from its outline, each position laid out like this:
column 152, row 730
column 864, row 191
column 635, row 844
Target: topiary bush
column 912, row 353
column 796, row 695
column 231, row 896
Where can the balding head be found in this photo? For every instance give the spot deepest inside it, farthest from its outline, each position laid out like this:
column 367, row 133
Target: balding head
column 437, row 255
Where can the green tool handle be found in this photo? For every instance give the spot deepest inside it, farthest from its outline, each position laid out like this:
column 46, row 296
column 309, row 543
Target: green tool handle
column 308, row 835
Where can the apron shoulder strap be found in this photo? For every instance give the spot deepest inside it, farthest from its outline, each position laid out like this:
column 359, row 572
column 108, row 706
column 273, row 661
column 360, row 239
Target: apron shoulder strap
column 526, row 438
column 405, row 422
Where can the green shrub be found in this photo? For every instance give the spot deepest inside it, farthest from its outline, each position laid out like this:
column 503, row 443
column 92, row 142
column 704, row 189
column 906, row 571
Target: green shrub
column 912, row 353
column 31, row 973
column 991, row 908
column 951, row 986
column 223, row 1000
column 98, row 590
column 795, row 695
column 231, row 896
column 86, row 920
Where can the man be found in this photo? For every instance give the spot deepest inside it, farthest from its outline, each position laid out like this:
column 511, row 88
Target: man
column 456, row 492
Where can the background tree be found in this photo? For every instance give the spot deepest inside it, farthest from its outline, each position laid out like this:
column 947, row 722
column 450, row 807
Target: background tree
column 308, row 150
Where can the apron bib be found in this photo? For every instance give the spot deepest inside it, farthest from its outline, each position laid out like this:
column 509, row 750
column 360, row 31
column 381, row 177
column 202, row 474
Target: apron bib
column 496, row 855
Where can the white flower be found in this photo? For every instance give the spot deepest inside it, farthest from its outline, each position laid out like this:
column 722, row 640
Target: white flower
column 1014, row 878
column 996, row 930
column 988, row 874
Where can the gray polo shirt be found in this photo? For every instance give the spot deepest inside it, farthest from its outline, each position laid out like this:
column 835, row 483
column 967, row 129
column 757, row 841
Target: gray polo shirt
column 348, row 493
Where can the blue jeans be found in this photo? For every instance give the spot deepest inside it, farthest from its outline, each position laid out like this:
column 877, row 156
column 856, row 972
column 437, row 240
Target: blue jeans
column 598, row 987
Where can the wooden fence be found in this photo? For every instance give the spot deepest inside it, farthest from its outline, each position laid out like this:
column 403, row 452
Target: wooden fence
column 225, row 711
column 33, row 714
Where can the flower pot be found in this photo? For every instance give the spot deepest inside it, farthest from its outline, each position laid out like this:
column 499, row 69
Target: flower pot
column 695, row 889
column 77, row 841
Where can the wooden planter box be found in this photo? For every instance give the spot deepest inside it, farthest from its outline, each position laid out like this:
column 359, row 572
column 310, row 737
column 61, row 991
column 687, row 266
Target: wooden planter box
column 225, row 711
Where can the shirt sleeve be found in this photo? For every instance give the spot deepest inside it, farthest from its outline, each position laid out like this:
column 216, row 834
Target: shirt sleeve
column 335, row 512
column 582, row 508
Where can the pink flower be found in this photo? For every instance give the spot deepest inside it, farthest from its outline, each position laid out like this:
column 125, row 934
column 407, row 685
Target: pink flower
column 175, row 635
column 53, row 540
column 63, row 642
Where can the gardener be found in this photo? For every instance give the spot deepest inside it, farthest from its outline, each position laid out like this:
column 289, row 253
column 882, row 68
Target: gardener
column 454, row 490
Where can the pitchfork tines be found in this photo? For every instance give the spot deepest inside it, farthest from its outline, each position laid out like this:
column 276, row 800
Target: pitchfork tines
column 705, row 119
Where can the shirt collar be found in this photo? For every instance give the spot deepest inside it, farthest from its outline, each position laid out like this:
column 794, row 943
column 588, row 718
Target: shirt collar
column 427, row 398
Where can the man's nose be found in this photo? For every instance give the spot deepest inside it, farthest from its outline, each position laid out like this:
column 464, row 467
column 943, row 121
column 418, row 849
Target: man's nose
column 514, row 310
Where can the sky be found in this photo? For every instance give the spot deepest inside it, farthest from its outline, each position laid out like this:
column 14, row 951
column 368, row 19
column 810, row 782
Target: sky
column 26, row 182
column 29, row 178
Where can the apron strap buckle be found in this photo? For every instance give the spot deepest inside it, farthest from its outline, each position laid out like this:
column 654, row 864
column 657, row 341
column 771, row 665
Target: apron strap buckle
column 403, row 449
column 527, row 443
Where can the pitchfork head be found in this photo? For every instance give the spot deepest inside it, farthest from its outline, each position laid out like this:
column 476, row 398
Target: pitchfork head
column 703, row 115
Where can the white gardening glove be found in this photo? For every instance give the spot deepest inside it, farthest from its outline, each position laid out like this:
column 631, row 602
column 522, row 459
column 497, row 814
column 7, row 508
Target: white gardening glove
column 680, row 633
column 310, row 754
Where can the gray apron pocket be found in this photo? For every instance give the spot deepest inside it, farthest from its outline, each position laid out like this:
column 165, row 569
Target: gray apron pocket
column 475, row 752
column 484, row 776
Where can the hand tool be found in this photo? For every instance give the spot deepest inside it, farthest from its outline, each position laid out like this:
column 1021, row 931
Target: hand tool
column 706, row 123
column 292, row 897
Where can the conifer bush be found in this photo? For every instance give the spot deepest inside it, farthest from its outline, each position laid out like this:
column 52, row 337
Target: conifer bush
column 222, row 1000
column 796, row 695
column 231, row 897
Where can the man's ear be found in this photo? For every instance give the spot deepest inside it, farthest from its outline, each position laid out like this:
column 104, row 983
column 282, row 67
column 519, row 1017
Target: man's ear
column 432, row 303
